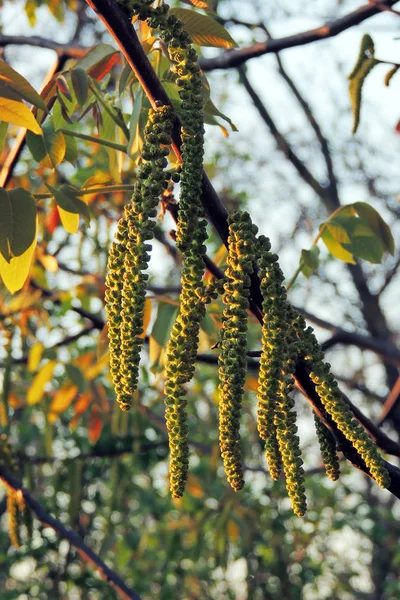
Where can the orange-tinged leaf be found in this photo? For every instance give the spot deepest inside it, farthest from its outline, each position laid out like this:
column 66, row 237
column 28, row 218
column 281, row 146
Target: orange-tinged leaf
column 251, row 384
column 15, row 273
column 36, row 391
column 83, row 402
column 62, row 399
column 194, row 488
column 233, row 530
column 34, row 356
column 12, row 111
column 203, row 29
column 95, row 424
column 52, row 219
column 84, row 360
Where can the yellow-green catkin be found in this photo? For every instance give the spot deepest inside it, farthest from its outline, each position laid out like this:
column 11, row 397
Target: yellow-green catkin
column 233, row 356
column 276, row 417
column 190, row 237
column 327, row 446
column 335, row 405
column 15, row 501
column 129, row 257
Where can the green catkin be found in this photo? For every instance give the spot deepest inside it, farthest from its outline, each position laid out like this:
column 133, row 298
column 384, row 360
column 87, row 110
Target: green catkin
column 191, row 235
column 129, row 256
column 232, row 359
column 327, row 446
column 276, row 417
column 339, row 410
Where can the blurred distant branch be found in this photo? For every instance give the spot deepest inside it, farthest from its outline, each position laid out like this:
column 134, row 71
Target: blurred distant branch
column 389, row 276
column 71, row 50
column 74, row 539
column 235, row 58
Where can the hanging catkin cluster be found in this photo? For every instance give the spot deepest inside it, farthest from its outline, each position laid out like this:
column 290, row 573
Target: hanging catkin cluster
column 285, row 338
column 15, row 500
column 232, row 359
column 129, row 256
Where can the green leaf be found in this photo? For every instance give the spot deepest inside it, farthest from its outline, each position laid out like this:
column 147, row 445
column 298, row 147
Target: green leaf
column 380, row 228
column 66, row 197
column 71, row 149
column 17, row 222
column 309, row 261
column 160, row 333
column 203, row 29
column 80, row 83
column 47, row 149
column 211, row 110
column 19, row 85
column 367, row 247
column 335, row 248
column 76, row 376
column 135, row 141
column 364, row 65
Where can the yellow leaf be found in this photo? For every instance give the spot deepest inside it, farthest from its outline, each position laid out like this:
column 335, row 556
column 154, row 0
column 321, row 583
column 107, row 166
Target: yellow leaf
column 84, row 360
column 49, row 263
column 95, row 369
column 34, row 356
column 12, row 111
column 15, row 272
column 70, row 221
column 146, row 317
column 36, row 390
column 63, row 398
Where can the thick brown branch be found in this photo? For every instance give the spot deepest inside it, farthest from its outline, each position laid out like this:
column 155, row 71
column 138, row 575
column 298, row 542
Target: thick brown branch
column 74, row 539
column 235, row 58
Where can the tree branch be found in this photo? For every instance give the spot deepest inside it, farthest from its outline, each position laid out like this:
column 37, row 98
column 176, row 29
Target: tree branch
column 69, row 50
column 281, row 141
column 74, row 539
column 235, row 58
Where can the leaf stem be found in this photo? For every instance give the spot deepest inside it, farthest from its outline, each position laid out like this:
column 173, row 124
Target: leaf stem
column 96, row 140
column 108, row 189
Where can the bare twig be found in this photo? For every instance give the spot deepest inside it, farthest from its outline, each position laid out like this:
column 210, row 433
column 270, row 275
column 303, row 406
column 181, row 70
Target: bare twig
column 235, row 58
column 391, row 403
column 74, row 539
